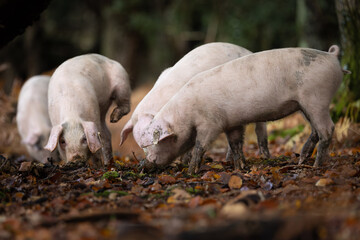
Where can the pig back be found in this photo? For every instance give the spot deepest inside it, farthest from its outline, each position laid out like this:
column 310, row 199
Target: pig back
column 261, row 87
column 32, row 110
column 173, row 79
column 80, row 88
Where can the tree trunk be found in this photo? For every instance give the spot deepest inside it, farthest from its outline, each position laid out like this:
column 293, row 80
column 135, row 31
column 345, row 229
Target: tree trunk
column 348, row 12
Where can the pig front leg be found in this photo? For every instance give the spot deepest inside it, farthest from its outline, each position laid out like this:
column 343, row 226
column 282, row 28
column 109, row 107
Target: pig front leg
column 197, row 155
column 186, row 157
column 261, row 134
column 106, row 145
column 205, row 135
column 235, row 151
column 122, row 104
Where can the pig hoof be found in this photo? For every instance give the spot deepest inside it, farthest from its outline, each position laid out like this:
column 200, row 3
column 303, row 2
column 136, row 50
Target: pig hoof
column 191, row 169
column 116, row 115
column 316, row 163
column 239, row 165
column 301, row 161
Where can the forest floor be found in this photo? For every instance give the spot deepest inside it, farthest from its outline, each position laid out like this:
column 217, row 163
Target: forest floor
column 270, row 199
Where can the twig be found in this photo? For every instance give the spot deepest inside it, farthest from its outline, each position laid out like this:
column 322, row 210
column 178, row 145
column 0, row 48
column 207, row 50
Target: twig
column 295, row 167
column 6, row 160
column 93, row 217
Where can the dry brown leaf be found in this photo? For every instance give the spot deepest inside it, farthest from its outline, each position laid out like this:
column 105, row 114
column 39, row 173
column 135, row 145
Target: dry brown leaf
column 235, row 210
column 235, row 182
column 324, row 182
column 180, row 196
column 342, row 129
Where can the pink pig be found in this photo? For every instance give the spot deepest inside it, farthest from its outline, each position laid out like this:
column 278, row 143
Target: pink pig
column 173, row 79
column 264, row 86
column 81, row 91
column 32, row 118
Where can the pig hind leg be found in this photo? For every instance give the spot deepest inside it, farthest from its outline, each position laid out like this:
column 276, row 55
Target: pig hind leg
column 261, row 134
column 323, row 128
column 235, row 150
column 309, row 146
column 122, row 105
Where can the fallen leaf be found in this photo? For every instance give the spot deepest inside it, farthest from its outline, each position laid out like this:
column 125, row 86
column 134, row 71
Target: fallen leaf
column 235, row 182
column 324, row 182
column 224, row 177
column 180, row 196
column 25, row 166
column 234, row 210
column 195, row 202
column 166, row 179
column 208, row 176
column 217, row 166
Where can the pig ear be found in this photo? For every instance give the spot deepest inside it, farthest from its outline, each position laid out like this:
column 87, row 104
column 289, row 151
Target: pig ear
column 126, row 130
column 157, row 131
column 92, row 138
column 54, row 138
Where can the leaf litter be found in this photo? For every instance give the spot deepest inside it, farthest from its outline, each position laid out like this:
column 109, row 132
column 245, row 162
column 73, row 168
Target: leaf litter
column 270, row 199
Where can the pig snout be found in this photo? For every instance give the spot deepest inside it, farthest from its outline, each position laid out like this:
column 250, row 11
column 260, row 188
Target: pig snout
column 156, row 157
column 75, row 157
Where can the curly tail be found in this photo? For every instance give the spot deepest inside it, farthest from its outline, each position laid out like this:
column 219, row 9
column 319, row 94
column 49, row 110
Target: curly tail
column 334, row 49
column 346, row 71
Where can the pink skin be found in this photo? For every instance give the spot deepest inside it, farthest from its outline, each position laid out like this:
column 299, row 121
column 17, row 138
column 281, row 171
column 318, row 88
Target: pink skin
column 80, row 93
column 173, row 79
column 273, row 85
column 32, row 118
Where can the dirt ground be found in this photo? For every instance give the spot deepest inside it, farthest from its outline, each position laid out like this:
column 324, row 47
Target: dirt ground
column 270, row 199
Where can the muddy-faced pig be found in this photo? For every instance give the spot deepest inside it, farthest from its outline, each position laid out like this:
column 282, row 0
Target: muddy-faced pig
column 32, row 118
column 173, row 79
column 264, row 86
column 81, row 91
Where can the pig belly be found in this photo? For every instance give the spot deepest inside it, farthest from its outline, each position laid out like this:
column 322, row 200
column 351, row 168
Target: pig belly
column 267, row 112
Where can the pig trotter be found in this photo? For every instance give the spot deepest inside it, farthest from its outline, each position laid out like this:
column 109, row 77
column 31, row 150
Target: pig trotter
column 235, row 152
column 197, row 154
column 309, row 146
column 229, row 155
column 117, row 114
column 322, row 153
column 239, row 161
column 236, row 141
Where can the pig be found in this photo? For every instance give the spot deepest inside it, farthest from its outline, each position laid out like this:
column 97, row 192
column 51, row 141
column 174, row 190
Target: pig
column 263, row 86
column 81, row 91
column 32, row 118
column 173, row 79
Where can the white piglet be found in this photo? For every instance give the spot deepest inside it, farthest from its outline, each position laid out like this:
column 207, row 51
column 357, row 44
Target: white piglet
column 173, row 79
column 81, row 91
column 32, row 118
column 264, row 86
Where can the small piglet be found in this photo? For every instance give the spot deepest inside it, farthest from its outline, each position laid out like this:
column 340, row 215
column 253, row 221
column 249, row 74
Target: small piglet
column 81, row 91
column 264, row 86
column 32, row 117
column 173, row 79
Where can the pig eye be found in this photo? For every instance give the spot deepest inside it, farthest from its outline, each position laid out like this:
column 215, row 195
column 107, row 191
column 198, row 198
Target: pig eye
column 62, row 143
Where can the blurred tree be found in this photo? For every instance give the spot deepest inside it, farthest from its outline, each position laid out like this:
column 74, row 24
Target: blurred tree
column 16, row 15
column 348, row 12
column 148, row 36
